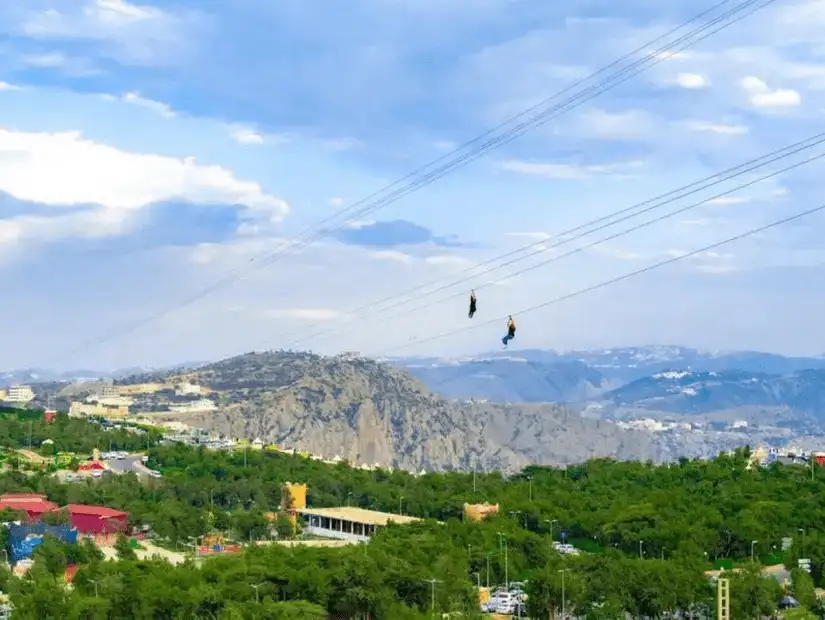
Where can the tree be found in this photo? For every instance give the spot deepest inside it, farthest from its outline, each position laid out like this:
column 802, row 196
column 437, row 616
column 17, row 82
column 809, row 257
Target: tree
column 283, row 526
column 123, row 549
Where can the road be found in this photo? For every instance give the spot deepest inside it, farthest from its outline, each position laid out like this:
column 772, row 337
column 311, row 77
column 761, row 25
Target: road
column 130, row 463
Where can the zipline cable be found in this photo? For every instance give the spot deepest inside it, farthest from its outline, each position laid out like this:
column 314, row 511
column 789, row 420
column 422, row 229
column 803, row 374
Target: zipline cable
column 651, row 204
column 742, row 10
column 612, row 281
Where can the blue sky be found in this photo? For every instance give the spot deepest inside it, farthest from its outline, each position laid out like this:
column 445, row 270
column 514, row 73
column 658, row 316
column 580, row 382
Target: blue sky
column 147, row 150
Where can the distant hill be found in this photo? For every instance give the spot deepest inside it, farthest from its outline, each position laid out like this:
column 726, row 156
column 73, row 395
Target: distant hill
column 687, row 392
column 548, row 376
column 368, row 412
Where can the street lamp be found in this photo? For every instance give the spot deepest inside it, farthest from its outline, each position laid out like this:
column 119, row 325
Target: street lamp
column 489, row 553
column 563, row 595
column 256, row 586
column 551, row 522
column 432, row 583
column 478, row 580
column 641, row 542
column 530, row 487
column 753, row 544
column 802, row 531
column 400, row 501
column 94, row 581
column 506, row 564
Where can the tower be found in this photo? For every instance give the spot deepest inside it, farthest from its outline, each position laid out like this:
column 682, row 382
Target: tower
column 723, row 599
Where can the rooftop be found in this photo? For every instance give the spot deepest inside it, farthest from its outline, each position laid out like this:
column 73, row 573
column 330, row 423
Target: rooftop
column 358, row 515
column 100, row 511
column 22, row 497
column 28, row 505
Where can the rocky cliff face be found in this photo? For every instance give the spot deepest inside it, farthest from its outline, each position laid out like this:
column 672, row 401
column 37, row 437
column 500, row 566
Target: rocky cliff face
column 367, row 413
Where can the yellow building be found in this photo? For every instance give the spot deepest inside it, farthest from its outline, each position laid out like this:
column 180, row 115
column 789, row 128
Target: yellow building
column 79, row 410
column 141, row 388
column 479, row 512
column 293, row 496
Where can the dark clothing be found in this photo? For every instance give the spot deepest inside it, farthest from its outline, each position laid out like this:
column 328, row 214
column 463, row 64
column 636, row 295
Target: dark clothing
column 472, row 306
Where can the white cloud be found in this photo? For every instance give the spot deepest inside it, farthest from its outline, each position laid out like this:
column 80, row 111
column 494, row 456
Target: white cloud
column 133, row 98
column 723, row 129
column 7, row 87
column 625, row 125
column 761, row 96
column 570, row 171
column 336, row 202
column 444, row 145
column 728, row 200
column 537, row 236
column 391, row 255
column 304, row 314
column 691, row 80
column 448, row 260
column 247, row 136
column 59, row 169
column 135, row 33
column 53, row 59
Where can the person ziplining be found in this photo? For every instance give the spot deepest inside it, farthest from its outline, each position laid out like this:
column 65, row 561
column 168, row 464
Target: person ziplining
column 511, row 331
column 472, row 303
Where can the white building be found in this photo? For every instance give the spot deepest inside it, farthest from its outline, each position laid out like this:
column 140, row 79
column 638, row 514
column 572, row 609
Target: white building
column 187, row 389
column 352, row 524
column 20, row 394
column 204, row 404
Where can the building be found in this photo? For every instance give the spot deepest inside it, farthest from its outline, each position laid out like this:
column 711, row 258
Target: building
column 479, row 512
column 96, row 519
column 33, row 504
column 141, row 388
column 187, row 389
column 20, row 394
column 353, row 524
column 79, row 410
column 204, row 404
column 110, row 391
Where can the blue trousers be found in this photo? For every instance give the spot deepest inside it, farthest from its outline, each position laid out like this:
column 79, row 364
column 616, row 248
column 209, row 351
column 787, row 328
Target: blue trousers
column 507, row 339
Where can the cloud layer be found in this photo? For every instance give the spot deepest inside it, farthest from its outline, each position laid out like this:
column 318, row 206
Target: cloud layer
column 149, row 150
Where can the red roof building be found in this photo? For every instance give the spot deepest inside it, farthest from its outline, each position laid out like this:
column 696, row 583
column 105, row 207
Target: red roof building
column 96, row 519
column 34, row 505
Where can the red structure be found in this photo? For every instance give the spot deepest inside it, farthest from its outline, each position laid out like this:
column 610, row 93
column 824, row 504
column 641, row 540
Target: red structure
column 49, row 415
column 34, row 505
column 91, row 466
column 96, row 519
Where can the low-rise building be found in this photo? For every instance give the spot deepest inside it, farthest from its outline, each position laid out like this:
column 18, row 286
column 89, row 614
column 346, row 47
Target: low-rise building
column 20, row 394
column 346, row 523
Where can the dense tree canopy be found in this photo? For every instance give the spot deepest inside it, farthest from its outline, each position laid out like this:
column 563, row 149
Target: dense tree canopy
column 650, row 532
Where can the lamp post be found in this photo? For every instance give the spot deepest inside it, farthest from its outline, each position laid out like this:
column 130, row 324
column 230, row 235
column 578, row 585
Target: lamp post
column 489, row 553
column 257, row 598
column 94, row 581
column 753, row 544
column 478, row 580
column 641, row 543
column 563, row 594
column 400, row 507
column 530, row 488
column 432, row 583
column 802, row 531
column 506, row 565
column 551, row 522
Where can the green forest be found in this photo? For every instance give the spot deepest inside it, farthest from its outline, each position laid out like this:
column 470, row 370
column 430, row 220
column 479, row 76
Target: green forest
column 648, row 533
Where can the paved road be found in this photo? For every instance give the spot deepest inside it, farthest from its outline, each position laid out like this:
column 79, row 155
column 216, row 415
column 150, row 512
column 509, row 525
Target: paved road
column 130, row 463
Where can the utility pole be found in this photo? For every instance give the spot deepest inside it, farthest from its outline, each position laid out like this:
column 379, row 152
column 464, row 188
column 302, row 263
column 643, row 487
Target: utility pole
column 489, row 553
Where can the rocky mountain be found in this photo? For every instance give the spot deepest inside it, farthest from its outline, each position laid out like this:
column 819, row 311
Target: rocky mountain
column 576, row 376
column 687, row 392
column 369, row 412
